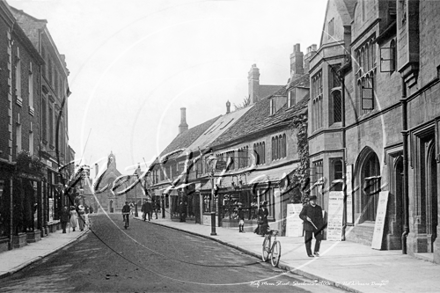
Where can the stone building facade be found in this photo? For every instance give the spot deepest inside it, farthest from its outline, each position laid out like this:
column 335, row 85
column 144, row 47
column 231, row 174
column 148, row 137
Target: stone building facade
column 379, row 60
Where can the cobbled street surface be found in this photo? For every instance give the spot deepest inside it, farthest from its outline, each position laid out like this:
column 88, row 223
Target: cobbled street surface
column 152, row 258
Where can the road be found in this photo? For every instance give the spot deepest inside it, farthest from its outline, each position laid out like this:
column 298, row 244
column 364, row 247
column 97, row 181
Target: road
column 152, row 258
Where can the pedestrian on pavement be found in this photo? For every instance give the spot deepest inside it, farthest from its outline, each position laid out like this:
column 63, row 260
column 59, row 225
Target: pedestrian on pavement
column 65, row 217
column 148, row 210
column 81, row 217
column 182, row 210
column 240, row 219
column 73, row 218
column 314, row 225
column 144, row 210
column 157, row 208
column 262, row 215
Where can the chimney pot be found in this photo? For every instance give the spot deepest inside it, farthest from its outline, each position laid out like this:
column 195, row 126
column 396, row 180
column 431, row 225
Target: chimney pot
column 228, row 107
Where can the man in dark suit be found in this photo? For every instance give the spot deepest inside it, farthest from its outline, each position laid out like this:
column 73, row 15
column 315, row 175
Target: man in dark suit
column 311, row 214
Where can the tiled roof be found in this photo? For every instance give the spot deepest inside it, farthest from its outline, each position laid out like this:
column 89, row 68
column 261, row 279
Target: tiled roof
column 186, row 138
column 220, row 126
column 268, row 90
column 258, row 119
column 303, row 82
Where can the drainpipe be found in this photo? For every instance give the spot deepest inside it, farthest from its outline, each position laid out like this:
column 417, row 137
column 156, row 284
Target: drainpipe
column 405, row 169
column 344, row 158
column 11, row 218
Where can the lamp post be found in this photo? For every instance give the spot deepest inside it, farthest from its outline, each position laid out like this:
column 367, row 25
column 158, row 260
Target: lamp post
column 212, row 160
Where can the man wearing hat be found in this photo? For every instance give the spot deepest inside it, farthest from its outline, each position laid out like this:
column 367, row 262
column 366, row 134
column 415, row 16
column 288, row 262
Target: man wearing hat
column 311, row 214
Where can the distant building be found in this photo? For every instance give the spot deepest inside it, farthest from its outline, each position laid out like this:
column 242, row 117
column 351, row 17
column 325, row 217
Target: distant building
column 107, row 200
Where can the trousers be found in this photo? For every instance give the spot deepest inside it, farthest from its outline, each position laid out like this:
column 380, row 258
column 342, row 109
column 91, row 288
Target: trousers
column 308, row 240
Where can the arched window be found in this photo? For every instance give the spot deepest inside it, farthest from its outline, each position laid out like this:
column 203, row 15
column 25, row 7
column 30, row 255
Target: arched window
column 284, row 147
column 273, row 149
column 278, row 147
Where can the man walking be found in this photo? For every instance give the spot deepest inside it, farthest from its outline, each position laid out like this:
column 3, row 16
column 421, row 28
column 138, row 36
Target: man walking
column 311, row 214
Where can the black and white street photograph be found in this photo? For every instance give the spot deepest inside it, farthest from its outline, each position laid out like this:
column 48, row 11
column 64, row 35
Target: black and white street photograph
column 219, row 146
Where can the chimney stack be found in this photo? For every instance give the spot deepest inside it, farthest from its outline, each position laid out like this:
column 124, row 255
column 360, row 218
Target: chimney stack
column 311, row 51
column 228, row 107
column 254, row 83
column 296, row 61
column 183, row 125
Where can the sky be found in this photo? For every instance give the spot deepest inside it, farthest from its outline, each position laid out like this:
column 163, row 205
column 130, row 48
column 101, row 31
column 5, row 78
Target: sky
column 134, row 63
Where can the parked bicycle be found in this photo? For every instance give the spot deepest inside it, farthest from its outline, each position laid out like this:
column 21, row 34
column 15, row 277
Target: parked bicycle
column 271, row 248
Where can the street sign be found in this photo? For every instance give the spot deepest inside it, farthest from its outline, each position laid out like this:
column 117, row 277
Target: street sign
column 220, row 165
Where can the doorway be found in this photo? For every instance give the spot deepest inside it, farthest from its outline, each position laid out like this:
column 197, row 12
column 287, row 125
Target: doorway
column 431, row 196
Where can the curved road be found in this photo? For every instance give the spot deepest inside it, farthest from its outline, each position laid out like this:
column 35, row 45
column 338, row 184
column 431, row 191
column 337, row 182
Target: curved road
column 152, row 258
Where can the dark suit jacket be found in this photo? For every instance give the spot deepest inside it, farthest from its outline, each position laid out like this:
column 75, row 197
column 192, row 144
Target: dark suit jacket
column 315, row 214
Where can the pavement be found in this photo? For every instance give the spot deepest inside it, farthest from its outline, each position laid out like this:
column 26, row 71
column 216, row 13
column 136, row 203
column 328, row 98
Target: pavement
column 15, row 260
column 346, row 265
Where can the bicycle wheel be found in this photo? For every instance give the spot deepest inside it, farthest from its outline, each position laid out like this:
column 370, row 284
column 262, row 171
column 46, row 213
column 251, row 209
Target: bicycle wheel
column 275, row 254
column 266, row 249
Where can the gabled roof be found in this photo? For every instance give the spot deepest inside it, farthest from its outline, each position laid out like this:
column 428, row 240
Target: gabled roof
column 186, row 138
column 344, row 8
column 258, row 118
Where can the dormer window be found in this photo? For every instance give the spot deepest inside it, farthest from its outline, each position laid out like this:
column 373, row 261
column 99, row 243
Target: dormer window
column 276, row 103
column 291, row 98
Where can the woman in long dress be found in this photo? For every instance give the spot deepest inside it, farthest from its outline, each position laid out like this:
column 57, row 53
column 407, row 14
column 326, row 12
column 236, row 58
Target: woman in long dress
column 73, row 218
column 81, row 217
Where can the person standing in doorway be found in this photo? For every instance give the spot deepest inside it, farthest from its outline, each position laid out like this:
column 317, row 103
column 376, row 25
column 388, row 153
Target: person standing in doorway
column 313, row 223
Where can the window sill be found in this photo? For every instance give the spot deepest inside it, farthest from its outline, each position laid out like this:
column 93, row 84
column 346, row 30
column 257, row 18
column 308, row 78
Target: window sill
column 31, row 111
column 19, row 101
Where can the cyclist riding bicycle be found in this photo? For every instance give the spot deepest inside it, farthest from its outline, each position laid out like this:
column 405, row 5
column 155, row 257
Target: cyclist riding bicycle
column 125, row 214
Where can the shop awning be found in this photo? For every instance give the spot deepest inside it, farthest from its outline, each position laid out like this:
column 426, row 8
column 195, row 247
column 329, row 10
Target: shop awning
column 255, row 177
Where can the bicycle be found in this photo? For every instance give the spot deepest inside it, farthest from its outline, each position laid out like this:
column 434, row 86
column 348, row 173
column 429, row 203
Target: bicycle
column 125, row 217
column 271, row 249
